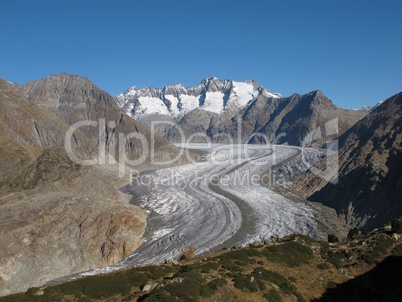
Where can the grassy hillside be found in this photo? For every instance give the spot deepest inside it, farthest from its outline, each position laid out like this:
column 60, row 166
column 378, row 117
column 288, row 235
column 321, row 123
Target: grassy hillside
column 294, row 268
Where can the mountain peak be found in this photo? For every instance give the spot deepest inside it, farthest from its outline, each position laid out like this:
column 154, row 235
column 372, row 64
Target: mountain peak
column 318, row 98
column 208, row 81
column 63, row 75
column 4, row 84
column 56, row 89
column 251, row 81
column 131, row 91
column 213, row 84
column 318, row 93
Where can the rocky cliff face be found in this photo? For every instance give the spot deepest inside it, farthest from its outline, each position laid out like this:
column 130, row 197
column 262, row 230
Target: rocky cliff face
column 57, row 217
column 245, row 111
column 370, row 164
column 26, row 130
column 70, row 220
column 74, row 98
column 33, row 125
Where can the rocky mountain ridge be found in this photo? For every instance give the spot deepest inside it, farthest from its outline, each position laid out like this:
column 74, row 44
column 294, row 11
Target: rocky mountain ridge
column 212, row 94
column 369, row 185
column 74, row 99
column 370, row 177
column 244, row 111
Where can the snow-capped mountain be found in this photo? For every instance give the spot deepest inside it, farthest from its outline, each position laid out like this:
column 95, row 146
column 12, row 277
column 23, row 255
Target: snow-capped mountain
column 212, row 95
column 220, row 110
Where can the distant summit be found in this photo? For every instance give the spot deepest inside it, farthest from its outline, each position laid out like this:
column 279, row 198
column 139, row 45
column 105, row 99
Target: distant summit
column 212, row 94
column 234, row 108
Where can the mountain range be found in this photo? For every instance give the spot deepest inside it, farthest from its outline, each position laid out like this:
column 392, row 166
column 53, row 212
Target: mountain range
column 245, row 111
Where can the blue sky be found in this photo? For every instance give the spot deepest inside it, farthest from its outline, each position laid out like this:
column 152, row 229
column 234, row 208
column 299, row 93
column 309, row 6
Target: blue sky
column 351, row 50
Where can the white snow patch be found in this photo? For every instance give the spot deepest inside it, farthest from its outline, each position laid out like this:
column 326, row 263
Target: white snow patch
column 174, row 104
column 132, row 91
column 245, row 93
column 150, row 105
column 272, row 95
column 213, row 102
column 189, row 102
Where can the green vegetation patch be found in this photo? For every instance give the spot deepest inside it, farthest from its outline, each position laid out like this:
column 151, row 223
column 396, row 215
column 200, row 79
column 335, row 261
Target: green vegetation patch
column 273, row 296
column 207, row 267
column 284, row 284
column 379, row 248
column 243, row 256
column 307, row 240
column 245, row 282
column 290, row 253
column 192, row 287
column 95, row 287
column 323, row 266
column 335, row 257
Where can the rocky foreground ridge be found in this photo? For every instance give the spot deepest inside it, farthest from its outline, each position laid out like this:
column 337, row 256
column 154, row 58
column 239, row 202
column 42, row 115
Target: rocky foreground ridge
column 362, row 267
